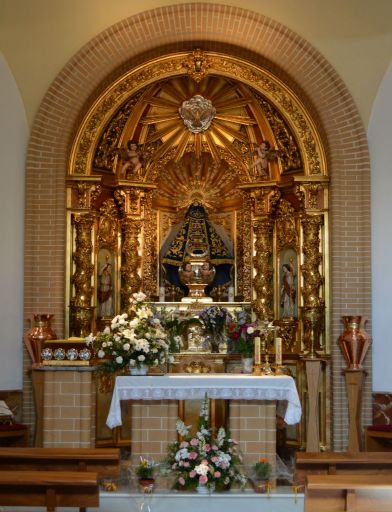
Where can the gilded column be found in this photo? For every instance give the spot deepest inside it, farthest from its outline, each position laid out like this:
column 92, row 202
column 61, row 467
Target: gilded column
column 81, row 309
column 313, row 310
column 244, row 250
column 265, row 197
column 263, row 265
column 133, row 200
column 131, row 280
column 150, row 249
column 312, row 197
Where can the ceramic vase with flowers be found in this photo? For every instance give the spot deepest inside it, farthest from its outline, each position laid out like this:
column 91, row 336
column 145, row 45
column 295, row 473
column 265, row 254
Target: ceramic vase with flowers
column 136, row 341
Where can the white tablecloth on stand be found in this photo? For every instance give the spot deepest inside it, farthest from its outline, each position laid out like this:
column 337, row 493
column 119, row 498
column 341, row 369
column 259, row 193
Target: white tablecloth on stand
column 220, row 385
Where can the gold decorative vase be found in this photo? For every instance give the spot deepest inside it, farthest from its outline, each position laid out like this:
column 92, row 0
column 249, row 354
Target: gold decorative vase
column 354, row 342
column 35, row 337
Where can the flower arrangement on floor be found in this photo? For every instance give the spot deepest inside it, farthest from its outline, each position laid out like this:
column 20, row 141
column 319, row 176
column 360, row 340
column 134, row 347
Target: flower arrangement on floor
column 202, row 459
column 241, row 332
column 135, row 340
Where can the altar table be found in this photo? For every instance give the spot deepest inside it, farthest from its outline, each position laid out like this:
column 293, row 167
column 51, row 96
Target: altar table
column 190, row 386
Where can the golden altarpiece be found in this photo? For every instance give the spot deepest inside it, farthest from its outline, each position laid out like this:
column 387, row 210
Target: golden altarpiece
column 209, row 130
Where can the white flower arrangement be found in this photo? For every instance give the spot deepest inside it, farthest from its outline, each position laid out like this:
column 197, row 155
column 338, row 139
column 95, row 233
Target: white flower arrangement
column 134, row 340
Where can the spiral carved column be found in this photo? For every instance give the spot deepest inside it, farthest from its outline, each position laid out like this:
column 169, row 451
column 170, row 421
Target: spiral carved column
column 262, row 263
column 313, row 311
column 81, row 309
column 131, row 281
column 150, row 250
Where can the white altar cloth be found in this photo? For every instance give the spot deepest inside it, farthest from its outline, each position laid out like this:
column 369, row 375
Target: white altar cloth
column 222, row 385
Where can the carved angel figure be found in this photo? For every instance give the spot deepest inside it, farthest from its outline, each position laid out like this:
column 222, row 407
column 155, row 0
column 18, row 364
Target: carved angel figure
column 132, row 160
column 264, row 154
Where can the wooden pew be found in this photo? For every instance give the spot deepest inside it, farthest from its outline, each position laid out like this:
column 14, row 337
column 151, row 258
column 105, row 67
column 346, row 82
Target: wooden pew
column 103, row 461
column 378, row 438
column 308, row 463
column 350, row 493
column 49, row 489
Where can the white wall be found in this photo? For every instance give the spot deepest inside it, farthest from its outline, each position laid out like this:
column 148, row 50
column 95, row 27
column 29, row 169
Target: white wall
column 380, row 144
column 13, row 142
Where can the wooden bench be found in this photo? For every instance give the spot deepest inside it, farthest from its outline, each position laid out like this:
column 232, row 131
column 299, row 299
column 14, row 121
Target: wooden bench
column 103, row 461
column 378, row 438
column 14, row 434
column 350, row 493
column 49, row 489
column 331, row 463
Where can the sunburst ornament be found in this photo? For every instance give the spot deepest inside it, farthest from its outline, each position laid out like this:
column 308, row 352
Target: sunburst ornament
column 212, row 115
column 198, row 193
column 197, row 180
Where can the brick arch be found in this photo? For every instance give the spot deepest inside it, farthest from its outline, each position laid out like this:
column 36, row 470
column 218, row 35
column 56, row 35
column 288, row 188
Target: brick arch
column 238, row 32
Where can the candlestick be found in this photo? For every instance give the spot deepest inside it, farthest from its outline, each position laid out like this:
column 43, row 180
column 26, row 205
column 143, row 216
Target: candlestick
column 278, row 351
column 257, row 351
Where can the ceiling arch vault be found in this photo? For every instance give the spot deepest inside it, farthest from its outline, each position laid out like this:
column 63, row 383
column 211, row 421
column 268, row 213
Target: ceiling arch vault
column 210, row 105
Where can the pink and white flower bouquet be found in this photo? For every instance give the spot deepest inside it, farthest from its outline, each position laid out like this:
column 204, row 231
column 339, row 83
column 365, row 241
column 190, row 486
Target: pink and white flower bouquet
column 203, row 459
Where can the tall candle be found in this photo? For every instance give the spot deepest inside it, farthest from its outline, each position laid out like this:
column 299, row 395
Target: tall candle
column 278, row 351
column 257, row 351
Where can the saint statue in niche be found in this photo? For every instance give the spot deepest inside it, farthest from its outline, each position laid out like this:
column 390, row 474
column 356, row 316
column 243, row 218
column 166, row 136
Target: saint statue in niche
column 197, row 255
column 105, row 288
column 288, row 290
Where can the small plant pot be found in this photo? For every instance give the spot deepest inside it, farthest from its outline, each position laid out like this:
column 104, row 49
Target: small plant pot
column 147, row 484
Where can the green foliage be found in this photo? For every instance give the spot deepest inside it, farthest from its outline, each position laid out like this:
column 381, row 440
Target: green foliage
column 145, row 469
column 262, row 469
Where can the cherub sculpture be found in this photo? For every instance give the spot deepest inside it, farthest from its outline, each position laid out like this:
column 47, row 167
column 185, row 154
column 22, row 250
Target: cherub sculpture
column 131, row 157
column 265, row 154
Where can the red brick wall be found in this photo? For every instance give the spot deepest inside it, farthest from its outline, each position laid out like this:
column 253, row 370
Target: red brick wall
column 245, row 34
